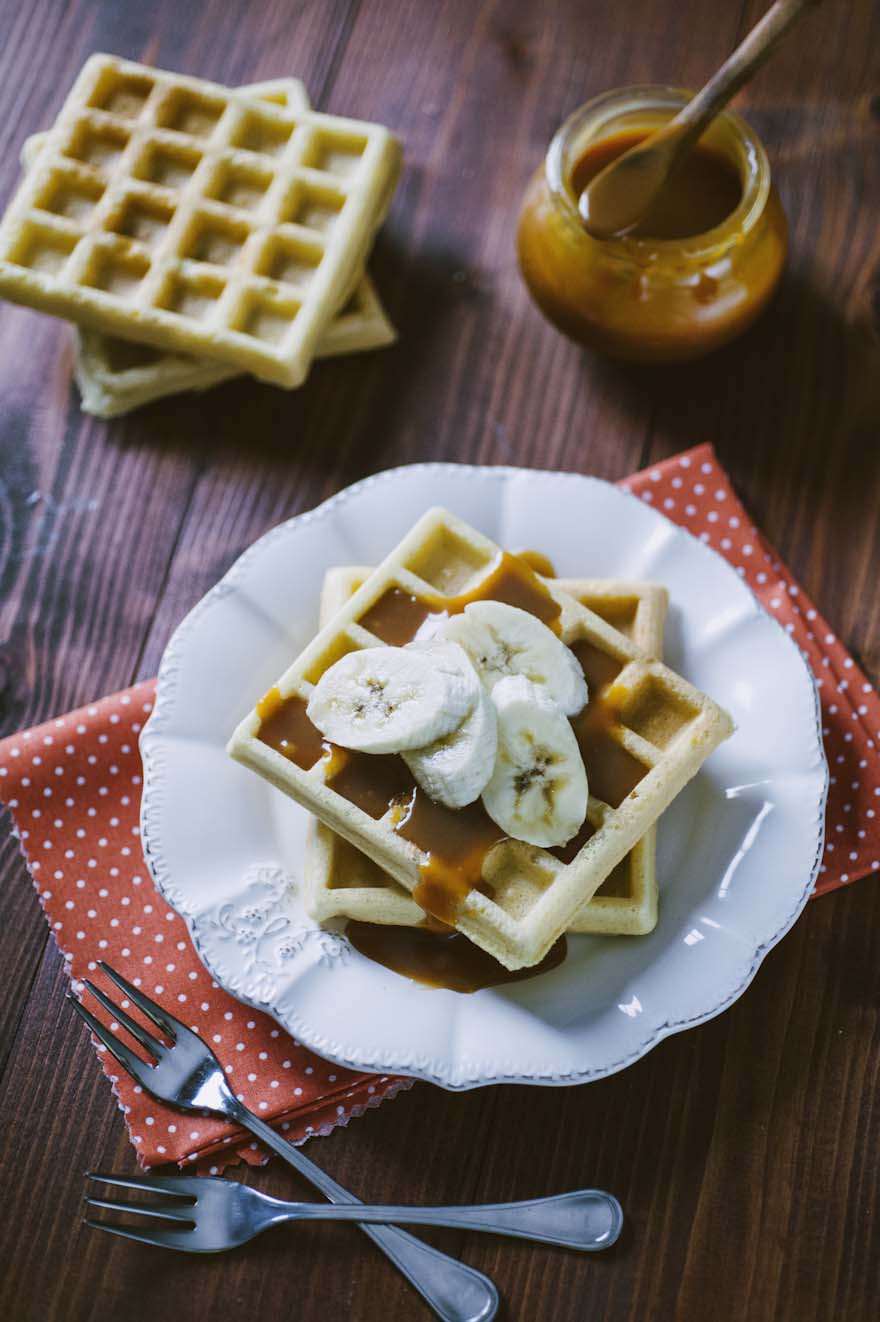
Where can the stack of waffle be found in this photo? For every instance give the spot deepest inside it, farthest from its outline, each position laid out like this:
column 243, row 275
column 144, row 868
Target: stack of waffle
column 360, row 867
column 193, row 232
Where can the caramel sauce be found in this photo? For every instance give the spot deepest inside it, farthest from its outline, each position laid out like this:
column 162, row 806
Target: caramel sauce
column 620, row 614
column 612, row 771
column 512, row 581
column 456, row 841
column 285, row 727
column 700, row 193
column 441, row 959
column 396, row 617
column 373, row 782
column 600, row 668
column 538, row 561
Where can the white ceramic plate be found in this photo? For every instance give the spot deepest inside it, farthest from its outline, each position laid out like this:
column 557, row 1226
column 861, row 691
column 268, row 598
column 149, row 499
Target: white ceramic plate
column 738, row 850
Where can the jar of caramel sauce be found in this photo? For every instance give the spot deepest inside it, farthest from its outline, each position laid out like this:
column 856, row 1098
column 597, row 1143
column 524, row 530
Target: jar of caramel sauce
column 699, row 267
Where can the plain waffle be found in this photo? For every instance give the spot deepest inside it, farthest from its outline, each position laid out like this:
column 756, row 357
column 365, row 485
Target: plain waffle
column 647, row 726
column 195, row 218
column 115, row 376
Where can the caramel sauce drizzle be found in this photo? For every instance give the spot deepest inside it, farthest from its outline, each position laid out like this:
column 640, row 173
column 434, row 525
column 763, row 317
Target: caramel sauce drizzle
column 613, row 772
column 456, row 842
column 285, row 727
column 537, row 561
column 514, row 582
column 396, row 617
column 373, row 782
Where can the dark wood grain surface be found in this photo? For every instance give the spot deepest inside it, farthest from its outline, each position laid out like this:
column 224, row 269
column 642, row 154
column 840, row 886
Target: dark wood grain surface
column 745, row 1152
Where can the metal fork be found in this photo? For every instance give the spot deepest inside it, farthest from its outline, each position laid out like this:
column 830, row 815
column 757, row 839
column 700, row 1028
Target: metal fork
column 188, row 1075
column 214, row 1214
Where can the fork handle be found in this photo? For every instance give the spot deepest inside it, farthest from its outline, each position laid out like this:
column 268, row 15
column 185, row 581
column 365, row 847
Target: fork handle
column 456, row 1292
column 587, row 1219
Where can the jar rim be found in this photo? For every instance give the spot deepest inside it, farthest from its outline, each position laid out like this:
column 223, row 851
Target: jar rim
column 603, row 110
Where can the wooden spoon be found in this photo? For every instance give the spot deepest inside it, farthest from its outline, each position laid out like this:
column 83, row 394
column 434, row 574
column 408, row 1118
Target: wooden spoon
column 617, row 198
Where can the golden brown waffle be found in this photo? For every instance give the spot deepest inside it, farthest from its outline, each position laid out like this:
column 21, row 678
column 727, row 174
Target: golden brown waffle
column 115, row 376
column 647, row 725
column 341, row 882
column 195, row 218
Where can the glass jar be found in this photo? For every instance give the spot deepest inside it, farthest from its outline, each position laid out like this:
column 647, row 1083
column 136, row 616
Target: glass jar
column 650, row 300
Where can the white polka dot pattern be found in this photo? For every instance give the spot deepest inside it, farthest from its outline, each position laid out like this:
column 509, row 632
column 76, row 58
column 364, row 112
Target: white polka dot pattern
column 694, row 491
column 96, row 892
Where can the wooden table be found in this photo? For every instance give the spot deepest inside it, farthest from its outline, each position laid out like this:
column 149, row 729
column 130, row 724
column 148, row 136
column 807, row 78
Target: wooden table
column 744, row 1152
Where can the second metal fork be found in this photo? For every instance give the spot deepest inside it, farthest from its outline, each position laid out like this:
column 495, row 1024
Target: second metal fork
column 211, row 1215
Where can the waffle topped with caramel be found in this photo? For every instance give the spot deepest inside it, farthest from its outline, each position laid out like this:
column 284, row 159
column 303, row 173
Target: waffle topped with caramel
column 643, row 733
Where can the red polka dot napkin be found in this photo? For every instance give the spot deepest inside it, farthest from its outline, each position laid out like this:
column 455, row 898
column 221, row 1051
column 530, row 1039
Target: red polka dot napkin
column 693, row 490
column 73, row 787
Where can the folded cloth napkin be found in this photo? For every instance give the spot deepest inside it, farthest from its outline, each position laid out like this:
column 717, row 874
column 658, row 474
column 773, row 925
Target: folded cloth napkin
column 73, row 787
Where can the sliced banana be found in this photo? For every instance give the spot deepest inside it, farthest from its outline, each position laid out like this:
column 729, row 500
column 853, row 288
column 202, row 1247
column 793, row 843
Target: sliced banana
column 503, row 640
column 391, row 699
column 538, row 790
column 455, row 770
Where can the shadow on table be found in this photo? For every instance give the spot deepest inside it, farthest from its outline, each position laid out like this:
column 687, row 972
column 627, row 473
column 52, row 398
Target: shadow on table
column 804, row 378
column 335, row 411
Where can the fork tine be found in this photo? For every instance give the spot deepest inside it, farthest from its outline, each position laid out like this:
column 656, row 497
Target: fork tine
column 160, row 1017
column 163, row 1239
column 161, row 1211
column 127, row 1059
column 185, row 1186
column 147, row 1041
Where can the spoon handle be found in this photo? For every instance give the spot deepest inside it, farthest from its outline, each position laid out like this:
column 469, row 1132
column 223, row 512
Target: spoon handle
column 737, row 69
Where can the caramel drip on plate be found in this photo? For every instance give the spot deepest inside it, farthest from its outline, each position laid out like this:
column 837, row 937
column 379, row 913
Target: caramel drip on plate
column 441, row 959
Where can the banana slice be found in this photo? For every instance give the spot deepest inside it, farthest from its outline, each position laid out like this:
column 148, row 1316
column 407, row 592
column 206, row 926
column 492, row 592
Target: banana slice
column 538, row 790
column 504, row 640
column 455, row 770
column 391, row 699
